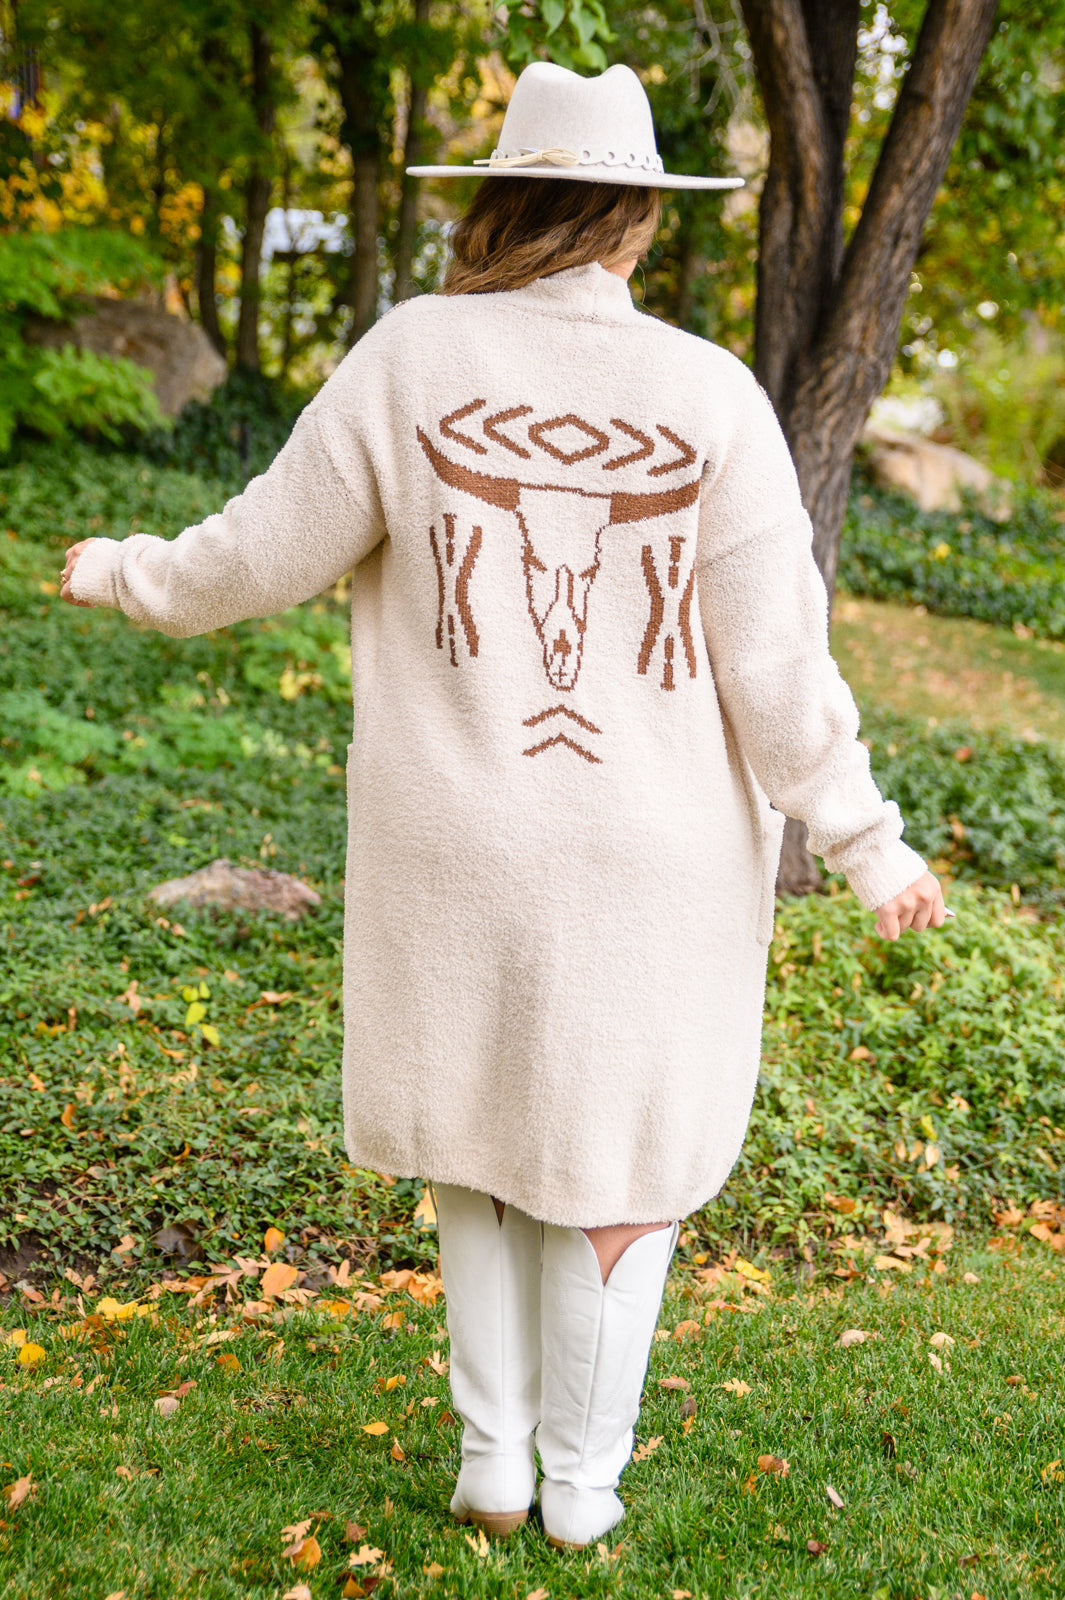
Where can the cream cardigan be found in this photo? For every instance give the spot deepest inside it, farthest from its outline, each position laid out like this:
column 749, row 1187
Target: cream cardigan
column 591, row 674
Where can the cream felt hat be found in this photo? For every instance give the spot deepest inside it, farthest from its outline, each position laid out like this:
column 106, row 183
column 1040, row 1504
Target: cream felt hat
column 597, row 130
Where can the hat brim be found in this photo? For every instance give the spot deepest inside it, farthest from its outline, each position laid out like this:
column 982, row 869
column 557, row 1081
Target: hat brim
column 639, row 178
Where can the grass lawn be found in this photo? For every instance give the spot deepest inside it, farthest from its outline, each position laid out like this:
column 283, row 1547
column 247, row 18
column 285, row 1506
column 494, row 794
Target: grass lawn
column 950, row 668
column 170, row 1092
column 924, row 1461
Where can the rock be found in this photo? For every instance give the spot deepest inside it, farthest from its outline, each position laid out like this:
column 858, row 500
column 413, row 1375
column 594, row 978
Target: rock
column 934, row 474
column 239, row 889
column 182, row 360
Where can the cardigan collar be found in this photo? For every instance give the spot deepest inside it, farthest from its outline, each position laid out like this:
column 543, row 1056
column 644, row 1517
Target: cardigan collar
column 586, row 291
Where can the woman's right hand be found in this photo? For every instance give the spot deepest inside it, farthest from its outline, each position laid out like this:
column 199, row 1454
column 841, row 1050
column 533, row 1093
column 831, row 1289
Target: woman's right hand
column 918, row 907
column 68, row 572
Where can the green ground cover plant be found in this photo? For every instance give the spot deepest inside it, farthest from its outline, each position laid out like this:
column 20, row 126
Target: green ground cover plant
column 891, row 1435
column 1011, row 573
column 127, row 758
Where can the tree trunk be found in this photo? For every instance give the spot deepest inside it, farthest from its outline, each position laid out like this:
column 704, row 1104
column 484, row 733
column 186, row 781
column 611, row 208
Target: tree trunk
column 407, row 225
column 256, row 204
column 358, row 72
column 827, row 317
column 206, row 264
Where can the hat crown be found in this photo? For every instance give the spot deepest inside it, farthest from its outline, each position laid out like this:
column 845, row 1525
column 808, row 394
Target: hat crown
column 607, row 116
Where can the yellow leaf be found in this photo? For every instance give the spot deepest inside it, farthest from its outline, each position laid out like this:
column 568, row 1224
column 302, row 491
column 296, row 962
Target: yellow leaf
column 855, row 1336
column 478, row 1543
column 273, row 1239
column 891, row 1264
column 395, row 1319
column 278, row 1277
column 375, row 1428
column 211, row 1033
column 942, row 1341
column 31, row 1355
column 228, row 1362
column 736, row 1386
column 645, row 1450
column 748, row 1270
column 433, row 1570
column 397, row 1381
column 67, row 1119
column 425, row 1211
column 1052, row 1473
column 189, row 995
column 194, row 1013
column 774, row 1464
column 308, row 1554
column 204, row 992
column 365, row 1556
column 17, row 1336
column 16, row 1492
column 335, row 1308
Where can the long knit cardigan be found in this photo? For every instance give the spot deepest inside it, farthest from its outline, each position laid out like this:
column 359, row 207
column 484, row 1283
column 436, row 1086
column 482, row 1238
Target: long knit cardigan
column 591, row 676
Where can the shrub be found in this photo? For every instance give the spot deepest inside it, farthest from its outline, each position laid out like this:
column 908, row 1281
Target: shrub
column 1012, row 573
column 55, row 391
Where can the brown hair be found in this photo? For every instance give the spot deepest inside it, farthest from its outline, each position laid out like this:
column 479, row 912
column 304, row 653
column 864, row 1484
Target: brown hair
column 519, row 229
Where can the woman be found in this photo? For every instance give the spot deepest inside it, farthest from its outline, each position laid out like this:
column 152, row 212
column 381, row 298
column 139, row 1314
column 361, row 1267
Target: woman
column 591, row 675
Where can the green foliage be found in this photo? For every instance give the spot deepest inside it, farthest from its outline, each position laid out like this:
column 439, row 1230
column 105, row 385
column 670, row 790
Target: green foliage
column 923, row 1073
column 571, row 33
column 56, row 391
column 1011, row 572
column 127, row 758
column 233, row 436
column 1005, row 402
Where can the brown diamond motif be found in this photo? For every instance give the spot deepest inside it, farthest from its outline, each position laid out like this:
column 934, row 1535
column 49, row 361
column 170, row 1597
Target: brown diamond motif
column 599, row 439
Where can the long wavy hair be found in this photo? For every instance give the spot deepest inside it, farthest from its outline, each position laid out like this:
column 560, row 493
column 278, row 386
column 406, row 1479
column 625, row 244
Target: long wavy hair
column 519, row 229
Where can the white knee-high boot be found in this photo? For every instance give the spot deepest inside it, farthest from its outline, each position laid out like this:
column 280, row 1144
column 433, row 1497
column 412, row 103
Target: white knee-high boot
column 491, row 1274
column 596, row 1344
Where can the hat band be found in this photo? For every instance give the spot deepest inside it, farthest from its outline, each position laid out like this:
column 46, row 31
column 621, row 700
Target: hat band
column 500, row 160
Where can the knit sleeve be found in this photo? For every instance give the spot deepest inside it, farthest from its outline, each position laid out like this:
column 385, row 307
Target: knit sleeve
column 764, row 612
column 292, row 532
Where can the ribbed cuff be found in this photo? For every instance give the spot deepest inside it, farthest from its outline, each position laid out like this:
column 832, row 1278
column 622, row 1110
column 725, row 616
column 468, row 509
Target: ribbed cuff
column 885, row 873
column 93, row 578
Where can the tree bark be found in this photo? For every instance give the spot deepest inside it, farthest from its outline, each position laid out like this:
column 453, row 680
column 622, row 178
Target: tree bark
column 362, row 129
column 206, row 266
column 256, row 203
column 407, row 224
column 827, row 317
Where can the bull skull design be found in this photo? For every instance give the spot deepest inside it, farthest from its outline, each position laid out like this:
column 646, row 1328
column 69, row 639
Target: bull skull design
column 560, row 526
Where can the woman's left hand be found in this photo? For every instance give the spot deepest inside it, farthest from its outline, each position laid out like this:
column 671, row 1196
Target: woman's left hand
column 918, row 907
column 68, row 572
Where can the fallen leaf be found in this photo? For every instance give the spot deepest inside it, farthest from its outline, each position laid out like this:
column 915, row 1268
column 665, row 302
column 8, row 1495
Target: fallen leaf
column 375, row 1428
column 942, row 1341
column 1052, row 1473
column 687, row 1329
column 861, row 1052
column 274, row 998
column 935, row 1361
column 397, row 1451
column 433, row 1570
column 166, row 1405
column 1010, row 1217
column 644, row 1450
column 1014, row 1379
column 688, row 1409
column 437, row 1364
column 425, row 1212
column 123, row 1472
column 736, row 1386
column 397, row 1381
column 969, row 1277
column 299, row 1591
column 365, row 1556
column 278, row 1277
column 891, row 1264
column 479, row 1543
column 228, row 1362
column 815, row 1547
column 16, row 1492
column 273, row 1239
column 31, row 1355
column 855, row 1336
column 681, row 1594
column 888, row 1445
column 747, row 1269
column 673, row 1383
column 305, row 1553
column 774, row 1464
column 536, row 1594
column 352, row 1590
column 835, row 1496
